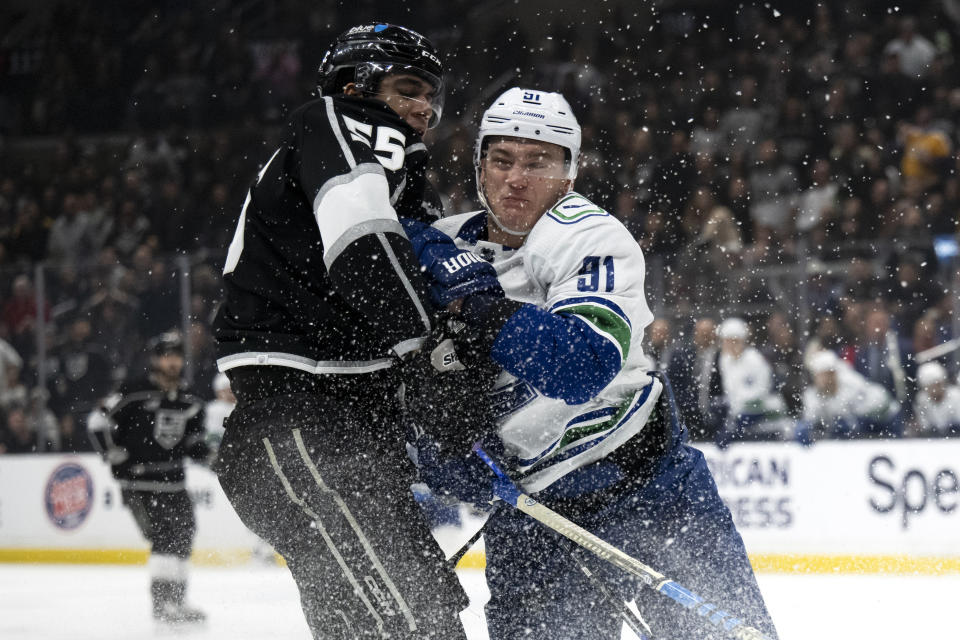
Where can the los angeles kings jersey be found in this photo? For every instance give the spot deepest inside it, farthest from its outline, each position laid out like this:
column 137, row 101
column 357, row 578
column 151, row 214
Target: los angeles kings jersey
column 320, row 276
column 575, row 384
column 145, row 432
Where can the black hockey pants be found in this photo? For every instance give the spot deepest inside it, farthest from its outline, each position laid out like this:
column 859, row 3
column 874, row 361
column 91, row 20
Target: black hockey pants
column 165, row 518
column 323, row 477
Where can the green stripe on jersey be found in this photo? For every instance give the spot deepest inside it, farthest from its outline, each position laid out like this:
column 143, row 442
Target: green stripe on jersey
column 578, row 433
column 604, row 321
column 570, row 214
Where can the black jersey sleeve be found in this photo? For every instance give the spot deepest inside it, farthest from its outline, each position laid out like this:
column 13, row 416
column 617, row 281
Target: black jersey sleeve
column 346, row 164
column 194, row 437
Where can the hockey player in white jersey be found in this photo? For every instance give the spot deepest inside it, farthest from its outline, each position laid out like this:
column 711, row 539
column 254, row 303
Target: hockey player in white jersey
column 841, row 403
column 582, row 422
column 755, row 411
column 937, row 407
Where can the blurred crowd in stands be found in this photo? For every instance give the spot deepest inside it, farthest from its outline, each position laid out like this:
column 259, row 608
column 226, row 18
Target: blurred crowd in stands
column 792, row 175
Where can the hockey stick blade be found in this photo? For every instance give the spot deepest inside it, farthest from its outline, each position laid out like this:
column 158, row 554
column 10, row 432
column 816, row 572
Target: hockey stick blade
column 505, row 489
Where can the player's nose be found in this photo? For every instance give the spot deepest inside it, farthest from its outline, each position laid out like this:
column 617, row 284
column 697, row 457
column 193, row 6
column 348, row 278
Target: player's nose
column 517, row 177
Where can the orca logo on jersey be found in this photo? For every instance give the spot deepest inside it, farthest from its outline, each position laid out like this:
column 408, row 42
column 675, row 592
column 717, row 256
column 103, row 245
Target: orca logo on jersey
column 457, row 262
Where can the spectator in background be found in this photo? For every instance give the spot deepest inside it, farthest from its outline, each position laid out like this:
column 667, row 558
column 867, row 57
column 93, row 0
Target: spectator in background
column 16, row 436
column 786, row 360
column 843, row 404
column 743, row 123
column 879, row 354
column 27, row 239
column 84, row 376
column 43, row 422
column 707, row 138
column 926, row 152
column 819, row 201
column 10, row 366
column 937, row 407
column 130, row 229
column 913, row 52
column 683, row 370
column 19, row 315
column 754, row 409
column 773, row 188
column 659, row 343
column 70, row 237
column 674, row 178
column 912, row 290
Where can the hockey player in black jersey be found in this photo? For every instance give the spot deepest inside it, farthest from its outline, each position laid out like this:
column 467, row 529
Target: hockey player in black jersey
column 145, row 430
column 324, row 303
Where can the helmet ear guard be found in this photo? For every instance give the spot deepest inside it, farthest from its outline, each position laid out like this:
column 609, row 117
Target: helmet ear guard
column 534, row 115
column 364, row 54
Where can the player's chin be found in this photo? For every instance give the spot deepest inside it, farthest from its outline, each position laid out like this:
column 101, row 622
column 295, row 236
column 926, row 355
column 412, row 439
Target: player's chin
column 419, row 125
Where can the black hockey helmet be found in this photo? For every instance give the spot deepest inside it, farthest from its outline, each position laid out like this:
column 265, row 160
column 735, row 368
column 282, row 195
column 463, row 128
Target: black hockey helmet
column 165, row 343
column 365, row 53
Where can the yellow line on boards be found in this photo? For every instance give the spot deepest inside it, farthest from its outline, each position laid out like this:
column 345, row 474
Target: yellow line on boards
column 762, row 563
column 816, row 564
column 202, row 557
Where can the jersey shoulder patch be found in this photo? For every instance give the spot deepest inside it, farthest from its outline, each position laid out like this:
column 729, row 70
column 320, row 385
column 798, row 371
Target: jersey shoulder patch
column 573, row 208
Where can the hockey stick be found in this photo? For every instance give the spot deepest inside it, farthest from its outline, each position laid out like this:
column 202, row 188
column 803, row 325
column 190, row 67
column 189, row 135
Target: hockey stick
column 636, row 623
column 941, row 349
column 506, row 490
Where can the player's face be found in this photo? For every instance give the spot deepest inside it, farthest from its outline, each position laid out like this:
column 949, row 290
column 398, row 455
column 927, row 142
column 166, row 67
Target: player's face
column 410, row 96
column 169, row 364
column 521, row 179
column 826, row 382
column 937, row 391
column 733, row 346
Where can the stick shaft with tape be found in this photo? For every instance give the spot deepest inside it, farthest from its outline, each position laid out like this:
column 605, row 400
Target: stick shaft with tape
column 505, row 489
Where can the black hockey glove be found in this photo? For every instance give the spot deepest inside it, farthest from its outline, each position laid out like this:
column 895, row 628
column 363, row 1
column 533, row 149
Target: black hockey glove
column 446, row 396
column 452, row 273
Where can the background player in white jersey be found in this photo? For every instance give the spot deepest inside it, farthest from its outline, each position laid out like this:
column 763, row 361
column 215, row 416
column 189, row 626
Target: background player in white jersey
column 841, row 403
column 581, row 422
column 937, row 406
column 218, row 409
column 754, row 410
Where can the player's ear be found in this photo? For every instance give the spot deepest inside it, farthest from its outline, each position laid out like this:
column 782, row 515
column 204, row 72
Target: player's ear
column 350, row 89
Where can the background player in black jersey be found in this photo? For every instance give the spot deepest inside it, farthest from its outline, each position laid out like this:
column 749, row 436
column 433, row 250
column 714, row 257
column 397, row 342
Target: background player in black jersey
column 324, row 301
column 145, row 430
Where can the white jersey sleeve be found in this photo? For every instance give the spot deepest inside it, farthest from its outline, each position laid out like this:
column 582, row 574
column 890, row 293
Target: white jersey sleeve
column 576, row 383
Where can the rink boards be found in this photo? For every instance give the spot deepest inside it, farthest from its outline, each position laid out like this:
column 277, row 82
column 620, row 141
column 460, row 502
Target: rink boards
column 850, row 507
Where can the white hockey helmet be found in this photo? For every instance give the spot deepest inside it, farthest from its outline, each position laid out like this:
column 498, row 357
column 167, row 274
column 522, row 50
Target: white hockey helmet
column 930, row 373
column 531, row 114
column 823, row 361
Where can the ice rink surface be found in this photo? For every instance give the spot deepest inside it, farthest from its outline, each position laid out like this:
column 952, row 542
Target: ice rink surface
column 256, row 602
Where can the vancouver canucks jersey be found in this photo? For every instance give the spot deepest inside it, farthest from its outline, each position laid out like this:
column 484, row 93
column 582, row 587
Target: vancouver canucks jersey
column 575, row 384
column 320, row 276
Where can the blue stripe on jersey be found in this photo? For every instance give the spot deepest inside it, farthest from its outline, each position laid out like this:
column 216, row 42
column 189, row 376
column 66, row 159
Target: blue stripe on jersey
column 609, row 304
column 474, row 228
column 640, row 400
column 559, row 355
